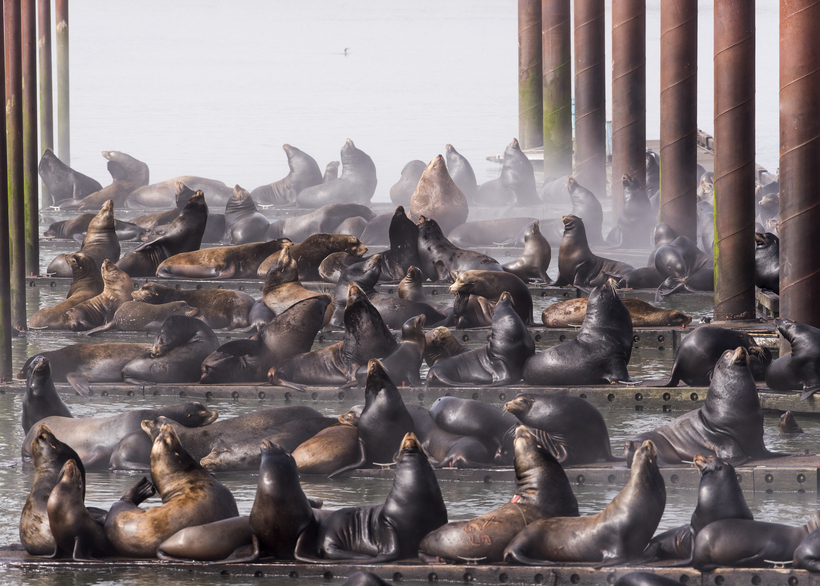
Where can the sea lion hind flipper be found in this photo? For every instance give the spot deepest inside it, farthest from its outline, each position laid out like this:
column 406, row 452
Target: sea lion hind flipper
column 513, row 557
column 79, row 383
column 808, row 392
column 105, row 327
column 81, row 550
column 360, row 463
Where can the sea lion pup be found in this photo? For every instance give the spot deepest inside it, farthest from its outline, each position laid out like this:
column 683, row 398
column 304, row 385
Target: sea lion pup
column 576, row 263
column 94, row 312
column 310, row 253
column 303, row 171
column 290, row 333
column 243, row 224
column 86, row 283
column 788, row 425
column 439, row 256
column 636, row 219
column 542, row 490
column 282, row 288
column 445, row 449
column 180, row 346
column 190, row 496
column 75, row 530
column 799, row 370
column 356, row 184
column 461, row 172
column 515, row 186
column 683, row 266
column 535, row 260
column 700, row 351
column 322, row 221
column 500, row 362
column 719, row 497
column 437, row 196
column 63, row 182
column 598, row 355
column 440, row 344
column 219, row 308
column 136, row 316
column 100, row 242
column 127, row 173
column 403, row 364
column 614, row 536
column 767, row 261
column 183, row 235
column 41, row 399
column 572, row 312
column 491, row 284
column 182, row 193
column 382, row 533
column 402, row 191
column 227, row 262
column 585, row 205
column 383, row 422
column 728, row 425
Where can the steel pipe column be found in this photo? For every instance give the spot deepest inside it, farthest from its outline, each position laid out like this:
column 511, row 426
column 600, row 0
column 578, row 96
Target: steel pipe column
column 5, row 256
column 628, row 97
column 63, row 96
column 46, row 98
column 590, row 96
column 679, row 125
column 557, row 91
column 530, row 109
column 30, row 153
column 799, row 156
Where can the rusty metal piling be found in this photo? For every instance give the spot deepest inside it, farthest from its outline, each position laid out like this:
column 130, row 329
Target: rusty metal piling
column 63, row 101
column 46, row 88
column 530, row 110
column 556, row 41
column 5, row 257
column 30, row 152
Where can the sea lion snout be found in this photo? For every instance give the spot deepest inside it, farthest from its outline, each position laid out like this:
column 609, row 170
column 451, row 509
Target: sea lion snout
column 740, row 355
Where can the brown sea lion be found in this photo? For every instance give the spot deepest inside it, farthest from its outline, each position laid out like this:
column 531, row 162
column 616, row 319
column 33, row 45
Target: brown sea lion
column 225, row 262
column 182, row 193
column 329, row 449
column 410, row 288
column 576, row 263
column 86, row 283
column 437, row 196
column 788, row 424
column 441, row 344
column 310, row 253
column 94, row 312
column 491, row 284
column 439, row 257
column 100, row 242
column 136, row 316
column 128, row 174
column 644, row 315
column 243, row 224
column 41, row 399
column 219, row 308
column 282, row 288
column 535, row 260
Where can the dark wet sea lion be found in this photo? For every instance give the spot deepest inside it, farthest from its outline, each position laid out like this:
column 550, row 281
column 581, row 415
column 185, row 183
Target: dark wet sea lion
column 614, row 536
column 328, row 450
column 648, row 277
column 331, row 268
column 515, row 186
column 585, row 205
column 364, row 578
column 600, row 352
column 653, row 171
column 219, row 308
column 180, row 346
column 303, row 171
column 645, row 579
column 788, row 424
column 190, row 496
column 410, row 288
column 799, row 370
column 356, row 184
column 575, row 426
column 461, row 171
column 700, row 351
column 577, row 265
column 535, row 260
column 74, row 529
column 322, row 221
column 41, row 399
column 63, row 182
column 542, row 490
column 500, row 362
column 572, row 312
column 729, row 425
column 683, row 266
column 636, row 219
column 183, row 235
column 228, row 540
column 243, row 224
column 76, row 227
column 439, row 256
column 448, row 449
column 377, row 231
column 479, row 419
column 496, row 232
column 182, row 193
column 163, row 194
column 403, row 364
column 310, row 253
column 491, row 284
column 352, row 227
column 767, row 261
column 282, row 288
column 807, row 554
column 225, row 262
column 100, row 242
column 94, row 312
column 402, row 191
column 404, row 240
column 127, row 173
column 86, row 283
column 437, row 196
column 136, row 316
column 472, row 311
column 383, row 533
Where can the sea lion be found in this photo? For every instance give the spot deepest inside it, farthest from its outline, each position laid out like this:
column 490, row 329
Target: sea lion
column 94, row 312
column 310, row 253
column 728, row 425
column 86, row 283
column 439, row 256
column 322, row 221
column 461, row 172
column 636, row 219
column 648, row 277
column 182, row 193
column 403, row 364
column 352, row 227
column 76, row 227
column 807, row 555
column 440, row 344
column 683, row 266
column 225, row 262
column 572, row 312
column 788, row 425
column 41, row 399
column 180, row 346
column 303, row 171
column 63, row 182
column 470, row 417
column 162, row 194
column 136, row 316
column 653, row 171
column 491, row 284
column 576, row 428
column 331, row 171
column 329, row 449
column 798, row 370
column 127, row 173
column 190, row 496
column 472, row 311
column 500, row 362
column 645, row 579
column 243, row 224
column 377, row 231
column 535, row 260
column 614, row 536
column 331, row 268
column 282, row 288
column 515, row 186
column 587, row 207
column 410, row 288
column 700, row 351
column 382, row 533
column 497, row 232
column 437, row 196
column 356, row 184
column 599, row 354
column 100, row 242
column 447, row 449
column 576, row 263
column 767, row 261
column 228, row 541
column 364, row 578
column 402, row 192
column 542, row 490
column 404, row 240
column 74, row 529
column 219, row 308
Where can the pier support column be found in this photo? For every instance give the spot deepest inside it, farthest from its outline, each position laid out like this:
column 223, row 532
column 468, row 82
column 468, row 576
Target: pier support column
column 63, row 96
column 5, row 256
column 590, row 96
column 679, row 125
column 628, row 97
column 734, row 159
column 31, row 155
column 557, row 86
column 46, row 88
column 530, row 109
column 799, row 156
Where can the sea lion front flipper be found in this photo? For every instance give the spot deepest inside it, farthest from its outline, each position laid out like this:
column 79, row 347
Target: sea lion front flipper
column 81, row 550
column 79, row 383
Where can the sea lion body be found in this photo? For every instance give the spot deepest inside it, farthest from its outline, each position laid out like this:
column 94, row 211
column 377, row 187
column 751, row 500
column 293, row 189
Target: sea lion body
column 585, row 205
column 474, row 418
column 515, row 186
column 807, row 554
column 402, row 192
column 63, row 182
column 439, row 256
column 92, row 313
column 576, row 263
column 498, row 232
column 87, row 283
column 180, row 196
column 799, row 369
column 535, row 260
column 303, row 171
column 445, row 448
column 322, row 221
column 211, row 542
column 440, row 344
column 128, row 175
column 243, row 224
column 437, row 196
column 162, row 194
column 41, row 399
column 219, row 308
column 492, row 284
column 310, row 253
column 356, row 184
column 100, row 242
column 229, row 262
column 329, row 449
column 282, row 288
column 136, row 316
column 683, row 266
column 93, row 362
column 572, row 312
column 788, row 425
column 767, row 261
column 461, row 172
column 404, row 363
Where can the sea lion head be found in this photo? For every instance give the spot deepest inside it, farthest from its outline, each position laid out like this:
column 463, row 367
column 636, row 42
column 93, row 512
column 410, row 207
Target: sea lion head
column 175, row 331
column 269, row 448
column 168, row 457
column 353, row 245
column 240, row 200
column 413, row 330
column 113, row 276
column 631, row 185
column 709, row 464
column 39, row 367
column 521, row 405
column 182, row 193
column 573, row 223
column 413, row 275
column 645, row 455
column 765, row 240
column 351, row 417
column 197, row 415
column 409, row 445
column 354, row 294
column 663, row 234
column 464, row 281
column 104, row 220
column 72, row 477
column 669, row 261
column 532, row 231
column 788, row 424
column 151, row 292
column 377, row 380
column 284, row 270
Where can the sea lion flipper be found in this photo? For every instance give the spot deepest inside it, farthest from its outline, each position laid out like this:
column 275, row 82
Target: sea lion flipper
column 106, row 326
column 808, row 392
column 79, row 383
column 360, row 463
